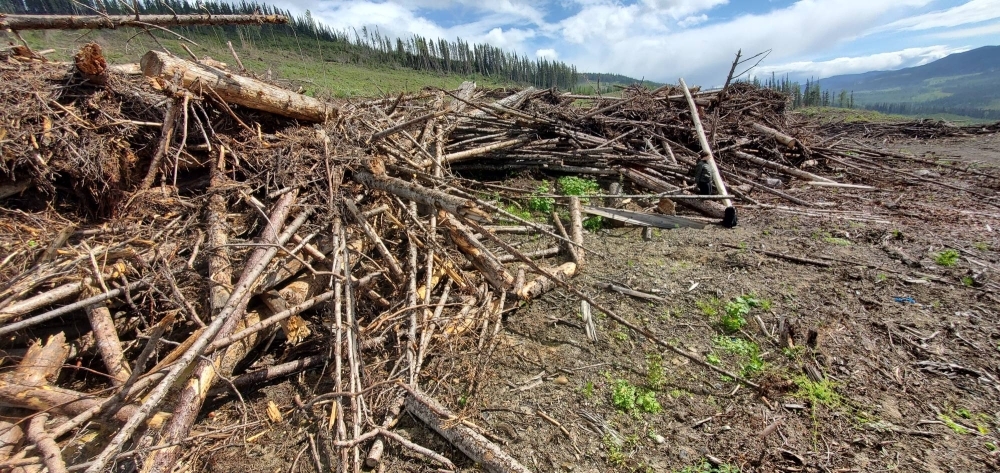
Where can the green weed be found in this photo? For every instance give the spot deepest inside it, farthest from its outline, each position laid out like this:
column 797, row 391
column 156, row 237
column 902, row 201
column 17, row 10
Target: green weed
column 751, row 362
column 968, row 281
column 655, row 375
column 951, row 424
column 981, row 246
column 627, row 398
column 588, row 390
column 616, row 455
column 572, row 185
column 946, row 258
column 594, row 223
column 837, row 241
column 737, row 309
column 705, row 467
column 538, row 203
column 817, row 393
column 881, row 277
column 709, row 307
column 713, row 359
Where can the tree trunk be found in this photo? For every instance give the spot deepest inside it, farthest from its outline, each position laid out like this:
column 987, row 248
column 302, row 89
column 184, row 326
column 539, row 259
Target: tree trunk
column 250, row 93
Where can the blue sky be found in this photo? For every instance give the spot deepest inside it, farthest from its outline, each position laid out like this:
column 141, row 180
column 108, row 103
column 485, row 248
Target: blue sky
column 663, row 40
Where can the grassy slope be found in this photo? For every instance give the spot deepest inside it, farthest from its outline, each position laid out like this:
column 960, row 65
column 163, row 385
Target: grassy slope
column 317, row 67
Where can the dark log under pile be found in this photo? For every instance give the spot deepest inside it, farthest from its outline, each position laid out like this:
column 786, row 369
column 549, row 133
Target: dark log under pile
column 176, row 243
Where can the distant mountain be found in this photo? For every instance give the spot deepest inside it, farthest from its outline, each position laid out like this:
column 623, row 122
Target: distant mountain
column 587, row 82
column 965, row 83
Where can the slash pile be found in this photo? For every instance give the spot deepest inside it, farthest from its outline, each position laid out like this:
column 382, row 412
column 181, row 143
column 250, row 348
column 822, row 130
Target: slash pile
column 162, row 244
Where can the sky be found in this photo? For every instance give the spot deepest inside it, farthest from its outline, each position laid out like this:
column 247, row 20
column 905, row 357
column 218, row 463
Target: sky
column 663, row 40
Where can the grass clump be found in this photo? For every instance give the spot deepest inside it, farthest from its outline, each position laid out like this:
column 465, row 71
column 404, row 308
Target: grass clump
column 837, row 241
column 593, row 224
column 627, row 398
column 822, row 392
column 946, row 258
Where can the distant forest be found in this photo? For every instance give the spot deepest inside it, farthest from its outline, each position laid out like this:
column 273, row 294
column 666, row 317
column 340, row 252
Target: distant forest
column 365, row 47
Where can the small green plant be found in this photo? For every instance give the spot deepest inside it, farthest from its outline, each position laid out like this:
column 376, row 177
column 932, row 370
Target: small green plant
column 818, row 393
column 623, row 395
column 951, row 424
column 710, row 307
column 616, row 455
column 627, row 398
column 593, row 224
column 881, row 277
column 538, row 203
column 946, row 258
column 713, row 359
column 646, row 402
column 705, row 467
column 736, row 311
column 655, row 376
column 837, row 241
column 620, row 335
column 518, row 211
column 981, row 246
column 751, row 362
column 463, row 400
column 588, row 390
column 968, row 281
column 991, row 446
column 572, row 185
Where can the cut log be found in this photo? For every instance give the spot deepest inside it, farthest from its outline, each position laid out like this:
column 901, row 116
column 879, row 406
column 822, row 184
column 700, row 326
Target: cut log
column 481, row 257
column 478, row 448
column 544, row 283
column 576, row 227
column 232, row 88
column 777, row 135
column 706, row 150
column 779, row 167
column 93, row 22
column 410, row 191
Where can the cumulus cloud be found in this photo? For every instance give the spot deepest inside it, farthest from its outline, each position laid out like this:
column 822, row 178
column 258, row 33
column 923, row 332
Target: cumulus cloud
column 547, row 53
column 692, row 21
column 851, row 65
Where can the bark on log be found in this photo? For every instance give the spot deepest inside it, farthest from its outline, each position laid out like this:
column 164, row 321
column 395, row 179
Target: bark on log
column 777, row 135
column 232, row 88
column 481, row 257
column 108, row 343
column 10, row 438
column 46, row 445
column 779, row 167
column 410, row 191
column 544, row 283
column 41, row 300
column 706, row 208
column 706, row 150
column 468, row 441
column 56, row 400
column 576, row 226
column 92, row 22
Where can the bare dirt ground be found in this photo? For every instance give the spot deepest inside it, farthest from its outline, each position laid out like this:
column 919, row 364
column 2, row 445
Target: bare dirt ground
column 893, row 364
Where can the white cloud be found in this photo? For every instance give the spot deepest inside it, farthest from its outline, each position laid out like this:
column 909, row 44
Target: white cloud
column 974, row 11
column 692, row 21
column 547, row 53
column 851, row 65
column 985, row 30
column 682, row 8
column 702, row 54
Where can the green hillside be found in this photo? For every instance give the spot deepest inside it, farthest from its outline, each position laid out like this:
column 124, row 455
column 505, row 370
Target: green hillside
column 310, row 54
column 308, row 64
column 966, row 84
